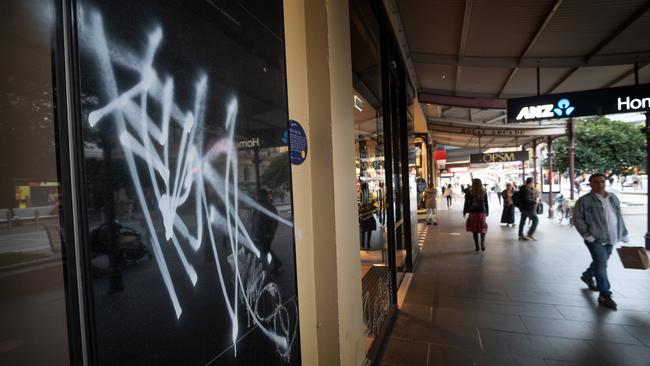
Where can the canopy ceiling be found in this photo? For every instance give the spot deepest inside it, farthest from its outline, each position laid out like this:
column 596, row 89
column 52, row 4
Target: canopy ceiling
column 486, row 51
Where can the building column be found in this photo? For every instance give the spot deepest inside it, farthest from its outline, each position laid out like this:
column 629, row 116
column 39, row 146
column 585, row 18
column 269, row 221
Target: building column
column 550, row 177
column 319, row 89
column 571, row 131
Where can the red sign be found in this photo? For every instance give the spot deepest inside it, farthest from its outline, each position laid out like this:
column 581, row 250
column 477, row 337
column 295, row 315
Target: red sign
column 458, row 169
column 440, row 155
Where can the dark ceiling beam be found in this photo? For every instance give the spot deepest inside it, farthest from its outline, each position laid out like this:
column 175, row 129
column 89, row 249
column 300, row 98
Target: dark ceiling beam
column 532, row 62
column 624, row 76
column 447, row 100
column 617, row 32
column 531, row 44
column 463, row 42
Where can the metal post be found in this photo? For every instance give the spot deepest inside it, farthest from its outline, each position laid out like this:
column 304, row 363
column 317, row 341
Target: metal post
column 523, row 172
column 550, row 177
column 535, row 164
column 572, row 152
column 647, row 170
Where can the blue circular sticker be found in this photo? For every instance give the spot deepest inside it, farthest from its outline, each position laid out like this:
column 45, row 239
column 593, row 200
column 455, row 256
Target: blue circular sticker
column 297, row 143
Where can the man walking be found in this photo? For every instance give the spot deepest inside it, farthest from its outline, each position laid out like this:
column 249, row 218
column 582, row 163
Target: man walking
column 528, row 208
column 498, row 189
column 598, row 219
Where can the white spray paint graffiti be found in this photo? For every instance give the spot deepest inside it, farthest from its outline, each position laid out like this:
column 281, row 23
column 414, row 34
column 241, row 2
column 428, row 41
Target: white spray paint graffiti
column 194, row 173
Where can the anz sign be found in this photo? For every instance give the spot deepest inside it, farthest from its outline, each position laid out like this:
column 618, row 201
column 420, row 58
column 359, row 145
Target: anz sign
column 561, row 109
column 580, row 104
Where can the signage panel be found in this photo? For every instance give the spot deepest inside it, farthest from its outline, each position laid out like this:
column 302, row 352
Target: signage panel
column 625, row 99
column 458, row 169
column 500, row 157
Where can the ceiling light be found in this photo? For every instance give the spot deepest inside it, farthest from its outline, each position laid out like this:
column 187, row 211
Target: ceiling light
column 358, row 103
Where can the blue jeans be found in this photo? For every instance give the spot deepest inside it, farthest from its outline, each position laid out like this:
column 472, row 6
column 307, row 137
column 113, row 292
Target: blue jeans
column 532, row 215
column 598, row 268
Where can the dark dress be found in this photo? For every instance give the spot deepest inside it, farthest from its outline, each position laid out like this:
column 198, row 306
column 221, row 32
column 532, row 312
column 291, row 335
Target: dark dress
column 477, row 208
column 508, row 214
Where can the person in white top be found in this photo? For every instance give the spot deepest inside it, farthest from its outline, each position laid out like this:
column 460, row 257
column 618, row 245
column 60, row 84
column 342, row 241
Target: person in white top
column 598, row 219
column 498, row 189
column 449, row 194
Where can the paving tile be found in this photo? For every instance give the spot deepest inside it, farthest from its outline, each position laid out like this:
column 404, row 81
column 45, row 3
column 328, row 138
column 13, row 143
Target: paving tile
column 410, row 328
column 439, row 355
column 417, row 311
column 621, row 354
column 406, row 352
column 479, row 319
column 564, row 363
column 641, row 333
column 579, row 330
column 600, row 314
column 561, row 349
column 499, row 307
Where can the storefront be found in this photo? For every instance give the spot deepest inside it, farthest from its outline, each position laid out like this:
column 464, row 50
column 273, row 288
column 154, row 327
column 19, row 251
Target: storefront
column 390, row 160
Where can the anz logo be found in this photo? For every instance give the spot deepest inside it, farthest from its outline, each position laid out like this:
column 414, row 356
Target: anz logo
column 563, row 108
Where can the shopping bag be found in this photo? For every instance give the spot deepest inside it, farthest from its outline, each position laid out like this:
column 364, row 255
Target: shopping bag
column 634, row 257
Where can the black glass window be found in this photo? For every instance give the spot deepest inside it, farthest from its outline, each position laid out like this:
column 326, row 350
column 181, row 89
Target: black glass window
column 33, row 320
column 189, row 214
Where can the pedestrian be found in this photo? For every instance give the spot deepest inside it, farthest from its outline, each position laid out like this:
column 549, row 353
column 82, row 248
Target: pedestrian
column 528, row 207
column 264, row 227
column 498, row 188
column 430, row 203
column 448, row 195
column 367, row 224
column 476, row 205
column 577, row 183
column 508, row 214
column 598, row 219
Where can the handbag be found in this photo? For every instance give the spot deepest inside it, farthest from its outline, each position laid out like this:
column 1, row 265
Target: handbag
column 634, row 257
column 540, row 209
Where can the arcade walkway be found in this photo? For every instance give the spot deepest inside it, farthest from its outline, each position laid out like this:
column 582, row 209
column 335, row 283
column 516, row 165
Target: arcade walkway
column 520, row 303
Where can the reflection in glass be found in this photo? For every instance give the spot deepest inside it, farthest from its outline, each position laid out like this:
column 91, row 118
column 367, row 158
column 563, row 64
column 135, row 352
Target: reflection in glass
column 370, row 168
column 33, row 325
column 187, row 171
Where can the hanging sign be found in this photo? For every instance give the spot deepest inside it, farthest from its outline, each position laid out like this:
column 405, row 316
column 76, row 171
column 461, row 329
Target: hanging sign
column 497, row 131
column 597, row 102
column 297, row 143
column 500, row 157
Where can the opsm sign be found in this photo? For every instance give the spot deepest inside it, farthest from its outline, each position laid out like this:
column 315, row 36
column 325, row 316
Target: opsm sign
column 579, row 104
column 500, row 157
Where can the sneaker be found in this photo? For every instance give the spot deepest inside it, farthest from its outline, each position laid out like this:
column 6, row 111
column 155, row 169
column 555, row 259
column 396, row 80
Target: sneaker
column 607, row 301
column 530, row 237
column 589, row 282
column 524, row 238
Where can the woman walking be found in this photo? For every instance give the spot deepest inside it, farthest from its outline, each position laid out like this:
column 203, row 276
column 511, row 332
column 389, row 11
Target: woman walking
column 448, row 194
column 430, row 203
column 508, row 215
column 476, row 204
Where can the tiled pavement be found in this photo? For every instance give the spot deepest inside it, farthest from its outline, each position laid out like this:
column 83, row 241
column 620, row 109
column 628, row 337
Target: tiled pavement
column 519, row 303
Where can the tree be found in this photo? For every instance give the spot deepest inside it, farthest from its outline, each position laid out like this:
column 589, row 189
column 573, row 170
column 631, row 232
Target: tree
column 602, row 145
column 278, row 174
